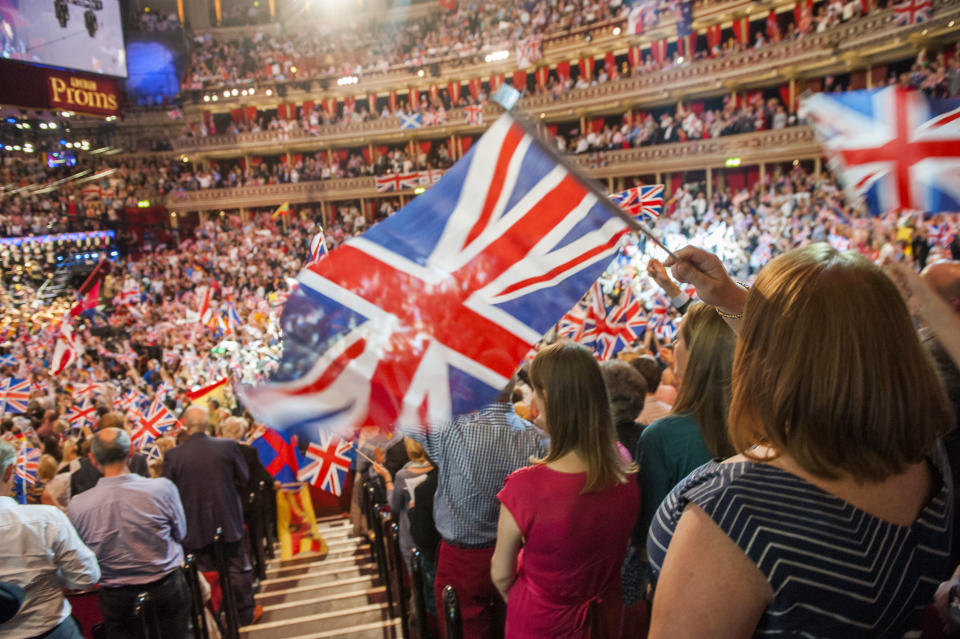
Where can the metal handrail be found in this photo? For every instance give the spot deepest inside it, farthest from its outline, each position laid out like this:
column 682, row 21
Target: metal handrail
column 417, row 584
column 144, row 612
column 453, row 623
column 397, row 558
column 229, row 602
column 191, row 574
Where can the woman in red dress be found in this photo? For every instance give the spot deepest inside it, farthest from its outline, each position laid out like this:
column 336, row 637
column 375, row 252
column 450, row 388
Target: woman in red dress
column 565, row 520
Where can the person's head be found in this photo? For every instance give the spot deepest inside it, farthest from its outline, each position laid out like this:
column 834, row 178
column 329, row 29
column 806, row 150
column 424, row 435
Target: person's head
column 648, row 366
column 196, row 419
column 8, row 459
column 626, row 390
column 111, row 420
column 829, row 369
column 570, row 394
column 233, row 428
column 110, row 447
column 415, row 450
column 944, row 277
column 704, row 360
column 47, row 467
column 70, row 449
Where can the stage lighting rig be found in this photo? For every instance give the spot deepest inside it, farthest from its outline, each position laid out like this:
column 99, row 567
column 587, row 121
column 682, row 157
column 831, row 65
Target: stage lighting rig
column 61, row 9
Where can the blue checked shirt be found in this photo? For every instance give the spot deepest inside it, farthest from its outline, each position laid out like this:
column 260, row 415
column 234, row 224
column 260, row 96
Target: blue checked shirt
column 474, row 454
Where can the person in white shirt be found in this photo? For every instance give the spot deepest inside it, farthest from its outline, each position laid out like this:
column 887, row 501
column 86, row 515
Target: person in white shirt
column 41, row 553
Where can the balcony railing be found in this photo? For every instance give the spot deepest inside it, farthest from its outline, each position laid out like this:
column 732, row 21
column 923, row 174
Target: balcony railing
column 856, row 43
column 779, row 145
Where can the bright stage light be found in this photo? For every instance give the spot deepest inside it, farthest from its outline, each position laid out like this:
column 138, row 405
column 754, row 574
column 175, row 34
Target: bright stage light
column 496, row 56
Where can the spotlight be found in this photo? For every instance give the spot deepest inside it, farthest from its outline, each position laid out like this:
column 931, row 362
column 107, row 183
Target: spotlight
column 244, row 92
column 226, row 94
column 234, row 93
column 52, row 125
column 43, row 125
column 420, row 73
column 269, row 92
column 680, row 60
column 215, row 98
column 293, row 69
column 206, row 98
column 616, row 31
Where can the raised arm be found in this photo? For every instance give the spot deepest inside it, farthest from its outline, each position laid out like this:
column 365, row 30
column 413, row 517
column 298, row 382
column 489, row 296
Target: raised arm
column 926, row 304
column 706, row 272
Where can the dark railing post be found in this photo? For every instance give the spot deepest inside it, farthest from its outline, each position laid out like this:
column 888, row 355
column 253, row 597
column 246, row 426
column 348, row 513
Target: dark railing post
column 451, row 613
column 144, row 613
column 200, row 630
column 383, row 561
column 229, row 603
column 257, row 536
column 417, row 583
column 268, row 511
column 398, row 574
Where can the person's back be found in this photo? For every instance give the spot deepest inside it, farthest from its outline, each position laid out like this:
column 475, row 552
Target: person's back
column 574, row 547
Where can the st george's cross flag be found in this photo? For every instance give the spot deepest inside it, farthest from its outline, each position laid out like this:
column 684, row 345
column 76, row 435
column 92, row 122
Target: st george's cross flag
column 427, row 314
column 14, row 395
column 896, row 148
column 66, row 349
column 474, row 114
column 644, row 201
column 912, row 12
column 326, row 464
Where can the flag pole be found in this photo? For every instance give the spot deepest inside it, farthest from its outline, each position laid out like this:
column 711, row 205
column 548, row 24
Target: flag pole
column 593, row 185
column 359, row 452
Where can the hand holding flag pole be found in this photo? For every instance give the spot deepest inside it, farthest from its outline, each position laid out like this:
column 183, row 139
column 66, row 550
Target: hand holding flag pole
column 359, row 452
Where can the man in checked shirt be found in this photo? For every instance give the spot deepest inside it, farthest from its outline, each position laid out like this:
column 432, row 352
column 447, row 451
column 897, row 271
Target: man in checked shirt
column 474, row 454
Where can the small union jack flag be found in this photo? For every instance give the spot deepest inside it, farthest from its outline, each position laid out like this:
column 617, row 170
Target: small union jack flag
column 326, row 464
column 90, row 390
column 156, row 422
column 573, row 324
column 83, row 414
column 661, row 322
column 614, row 328
column 14, row 395
column 131, row 399
column 26, row 470
column 912, row 12
column 644, row 201
column 318, row 248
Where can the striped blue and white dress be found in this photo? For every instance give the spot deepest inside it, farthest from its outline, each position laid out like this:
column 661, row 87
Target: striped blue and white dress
column 835, row 570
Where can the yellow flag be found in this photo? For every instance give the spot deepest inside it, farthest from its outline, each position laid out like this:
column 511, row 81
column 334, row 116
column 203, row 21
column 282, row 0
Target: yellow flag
column 296, row 523
column 283, row 209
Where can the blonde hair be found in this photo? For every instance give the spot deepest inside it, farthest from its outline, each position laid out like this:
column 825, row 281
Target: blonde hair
column 577, row 413
column 829, row 369
column 415, row 450
column 705, row 388
column 47, row 467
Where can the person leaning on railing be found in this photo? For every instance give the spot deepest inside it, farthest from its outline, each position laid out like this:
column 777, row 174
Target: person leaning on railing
column 836, row 516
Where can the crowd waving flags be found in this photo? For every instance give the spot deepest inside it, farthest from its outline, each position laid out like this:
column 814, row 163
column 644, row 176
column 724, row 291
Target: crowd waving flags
column 427, row 314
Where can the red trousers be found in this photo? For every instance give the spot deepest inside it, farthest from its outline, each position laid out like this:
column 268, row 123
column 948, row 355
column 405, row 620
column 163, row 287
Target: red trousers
column 481, row 607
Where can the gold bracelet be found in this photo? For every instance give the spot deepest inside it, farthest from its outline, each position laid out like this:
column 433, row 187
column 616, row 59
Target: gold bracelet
column 728, row 315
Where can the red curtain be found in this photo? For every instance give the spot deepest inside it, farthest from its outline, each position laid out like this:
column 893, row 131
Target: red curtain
column 251, row 114
column 596, row 125
column 879, row 74
column 520, row 80
column 676, row 181
column 635, row 55
column 610, row 62
column 659, row 50
column 434, row 92
column 308, row 107
column 563, row 70
column 736, row 179
column 543, row 74
column 753, row 176
column 552, row 128
column 281, row 111
column 392, row 100
column 687, row 45
column 586, row 68
column 343, row 154
column 236, row 115
column 465, row 143
column 476, row 85
column 365, row 152
column 785, row 97
column 453, row 90
column 741, row 30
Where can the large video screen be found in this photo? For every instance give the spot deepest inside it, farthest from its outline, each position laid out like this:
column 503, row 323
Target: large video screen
column 85, row 35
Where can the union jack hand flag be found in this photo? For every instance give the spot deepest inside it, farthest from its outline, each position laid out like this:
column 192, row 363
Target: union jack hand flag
column 397, row 181
column 156, row 422
column 90, row 390
column 641, row 201
column 573, row 324
column 325, row 465
column 26, row 470
column 428, row 313
column 318, row 248
column 661, row 322
column 129, row 294
column 896, row 148
column 131, row 399
column 14, row 395
column 83, row 414
column 614, row 328
column 912, row 12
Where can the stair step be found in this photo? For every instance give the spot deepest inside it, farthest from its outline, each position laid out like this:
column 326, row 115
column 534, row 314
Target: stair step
column 320, row 565
column 332, row 536
column 377, row 630
column 337, row 552
column 318, row 578
column 340, row 619
column 326, row 603
column 311, row 590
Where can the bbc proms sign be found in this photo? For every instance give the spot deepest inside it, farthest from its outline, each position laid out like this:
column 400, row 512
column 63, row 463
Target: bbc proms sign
column 83, row 93
column 37, row 87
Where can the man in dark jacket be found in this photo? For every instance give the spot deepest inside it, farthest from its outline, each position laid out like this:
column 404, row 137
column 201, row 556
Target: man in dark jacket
column 210, row 474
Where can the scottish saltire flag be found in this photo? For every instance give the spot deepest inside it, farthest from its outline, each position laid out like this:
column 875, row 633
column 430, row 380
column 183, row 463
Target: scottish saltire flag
column 327, row 463
column 411, row 121
column 156, row 421
column 427, row 314
column 14, row 395
column 912, row 12
column 644, row 201
column 9, row 360
column 278, row 456
column 895, row 148
column 26, row 470
column 318, row 248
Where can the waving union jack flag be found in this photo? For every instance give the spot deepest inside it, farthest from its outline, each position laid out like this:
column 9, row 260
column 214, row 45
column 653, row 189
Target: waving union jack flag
column 912, row 12
column 894, row 147
column 326, row 464
column 153, row 423
column 14, row 395
column 644, row 201
column 318, row 248
column 83, row 414
column 614, row 328
column 26, row 470
column 427, row 314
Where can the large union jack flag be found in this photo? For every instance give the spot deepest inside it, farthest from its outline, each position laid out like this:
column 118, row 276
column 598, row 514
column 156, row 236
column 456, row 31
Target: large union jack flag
column 896, row 148
column 912, row 12
column 326, row 465
column 83, row 414
column 14, row 395
column 155, row 422
column 644, row 201
column 427, row 314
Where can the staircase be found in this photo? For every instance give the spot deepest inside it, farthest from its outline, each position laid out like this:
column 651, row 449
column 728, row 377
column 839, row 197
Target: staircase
column 314, row 596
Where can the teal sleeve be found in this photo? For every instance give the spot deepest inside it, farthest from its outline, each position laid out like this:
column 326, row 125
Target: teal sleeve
column 655, row 483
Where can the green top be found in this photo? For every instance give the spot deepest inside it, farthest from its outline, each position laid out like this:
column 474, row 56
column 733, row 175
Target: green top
column 668, row 450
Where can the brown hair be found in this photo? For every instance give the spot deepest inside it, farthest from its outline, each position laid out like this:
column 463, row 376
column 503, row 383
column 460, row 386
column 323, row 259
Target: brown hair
column 47, row 467
column 415, row 450
column 705, row 388
column 830, row 369
column 577, row 413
